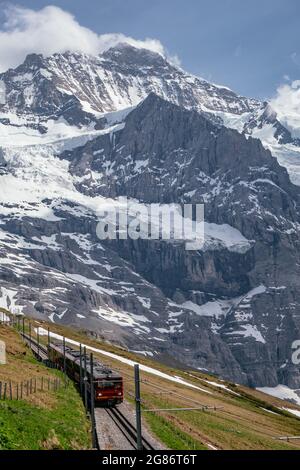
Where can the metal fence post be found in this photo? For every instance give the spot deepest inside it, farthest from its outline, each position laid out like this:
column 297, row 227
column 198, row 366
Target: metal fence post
column 85, row 380
column 80, row 369
column 92, row 398
column 138, row 407
column 65, row 370
column 38, row 341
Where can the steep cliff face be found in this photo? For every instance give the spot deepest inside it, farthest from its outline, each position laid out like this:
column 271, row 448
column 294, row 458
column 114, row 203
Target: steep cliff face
column 78, row 132
column 166, row 154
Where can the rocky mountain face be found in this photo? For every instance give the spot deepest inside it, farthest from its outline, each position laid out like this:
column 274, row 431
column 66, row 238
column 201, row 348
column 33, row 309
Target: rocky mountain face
column 77, row 134
column 79, row 89
column 168, row 154
column 121, row 77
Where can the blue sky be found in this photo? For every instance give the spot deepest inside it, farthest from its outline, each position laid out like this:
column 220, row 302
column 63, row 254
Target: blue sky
column 252, row 47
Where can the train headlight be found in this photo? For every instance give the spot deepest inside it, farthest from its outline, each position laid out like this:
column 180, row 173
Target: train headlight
column 99, row 394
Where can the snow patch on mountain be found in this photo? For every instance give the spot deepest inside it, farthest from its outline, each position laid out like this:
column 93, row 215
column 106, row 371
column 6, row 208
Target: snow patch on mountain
column 283, row 392
column 8, row 300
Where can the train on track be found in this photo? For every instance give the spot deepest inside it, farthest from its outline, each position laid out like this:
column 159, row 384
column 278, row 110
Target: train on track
column 108, row 384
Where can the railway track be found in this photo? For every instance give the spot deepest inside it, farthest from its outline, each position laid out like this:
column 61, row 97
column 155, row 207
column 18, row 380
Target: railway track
column 38, row 349
column 127, row 428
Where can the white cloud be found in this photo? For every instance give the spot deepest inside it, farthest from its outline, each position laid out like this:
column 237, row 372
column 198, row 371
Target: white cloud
column 51, row 30
column 286, row 103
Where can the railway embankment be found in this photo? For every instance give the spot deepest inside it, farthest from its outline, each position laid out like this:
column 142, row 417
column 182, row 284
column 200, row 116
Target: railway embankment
column 181, row 409
column 37, row 410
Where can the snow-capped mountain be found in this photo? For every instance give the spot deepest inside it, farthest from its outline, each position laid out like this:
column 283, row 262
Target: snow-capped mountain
column 119, row 78
column 76, row 133
column 79, row 88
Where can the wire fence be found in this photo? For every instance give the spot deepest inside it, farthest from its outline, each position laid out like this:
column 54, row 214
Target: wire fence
column 24, row 389
column 11, row 390
column 18, row 391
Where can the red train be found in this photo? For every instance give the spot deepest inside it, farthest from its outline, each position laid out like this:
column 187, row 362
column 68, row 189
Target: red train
column 108, row 385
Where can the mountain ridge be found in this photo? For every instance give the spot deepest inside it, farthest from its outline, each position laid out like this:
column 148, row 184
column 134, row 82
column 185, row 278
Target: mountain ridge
column 80, row 88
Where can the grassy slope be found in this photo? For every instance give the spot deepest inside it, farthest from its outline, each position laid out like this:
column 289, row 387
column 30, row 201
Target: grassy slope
column 44, row 420
column 241, row 423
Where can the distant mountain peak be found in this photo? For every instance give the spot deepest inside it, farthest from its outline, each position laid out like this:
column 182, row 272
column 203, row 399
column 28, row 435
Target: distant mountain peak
column 80, row 87
column 32, row 60
column 119, row 78
column 125, row 53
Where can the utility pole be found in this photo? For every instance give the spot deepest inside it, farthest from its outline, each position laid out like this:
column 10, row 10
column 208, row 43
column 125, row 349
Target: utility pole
column 138, row 407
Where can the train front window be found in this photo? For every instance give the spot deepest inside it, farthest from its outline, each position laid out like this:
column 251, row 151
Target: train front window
column 109, row 384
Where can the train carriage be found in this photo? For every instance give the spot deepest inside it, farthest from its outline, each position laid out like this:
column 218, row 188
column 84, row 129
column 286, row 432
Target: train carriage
column 108, row 384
